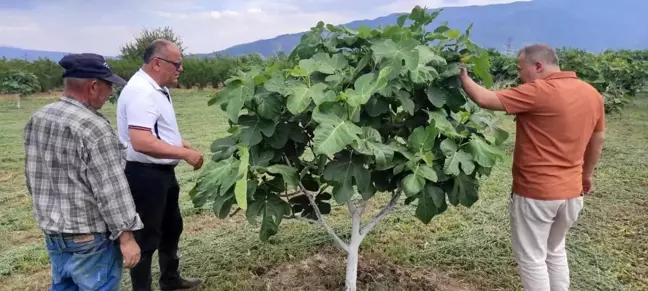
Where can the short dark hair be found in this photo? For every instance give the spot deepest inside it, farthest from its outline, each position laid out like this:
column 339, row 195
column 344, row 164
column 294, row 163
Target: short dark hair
column 155, row 47
column 539, row 52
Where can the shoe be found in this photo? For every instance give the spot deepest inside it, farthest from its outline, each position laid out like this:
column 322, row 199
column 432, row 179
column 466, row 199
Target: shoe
column 181, row 284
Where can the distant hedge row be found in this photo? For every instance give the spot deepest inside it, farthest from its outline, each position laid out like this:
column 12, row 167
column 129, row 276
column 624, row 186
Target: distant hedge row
column 198, row 72
column 618, row 75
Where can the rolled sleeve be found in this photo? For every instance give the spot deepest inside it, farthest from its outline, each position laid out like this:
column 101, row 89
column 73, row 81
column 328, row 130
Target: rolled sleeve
column 524, row 98
column 141, row 111
column 110, row 187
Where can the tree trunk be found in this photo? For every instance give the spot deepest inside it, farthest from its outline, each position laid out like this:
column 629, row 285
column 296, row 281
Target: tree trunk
column 352, row 267
column 354, row 248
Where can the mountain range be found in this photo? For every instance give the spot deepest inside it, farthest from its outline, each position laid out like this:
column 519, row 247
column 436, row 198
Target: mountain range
column 592, row 25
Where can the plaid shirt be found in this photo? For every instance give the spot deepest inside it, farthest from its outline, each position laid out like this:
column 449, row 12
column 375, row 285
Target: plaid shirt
column 74, row 168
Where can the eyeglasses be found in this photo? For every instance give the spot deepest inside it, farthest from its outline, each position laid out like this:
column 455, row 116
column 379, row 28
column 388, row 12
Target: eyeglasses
column 176, row 64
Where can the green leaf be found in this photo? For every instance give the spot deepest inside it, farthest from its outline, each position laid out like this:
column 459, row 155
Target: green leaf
column 401, row 19
column 268, row 105
column 215, row 178
column 427, row 207
column 427, row 173
column 346, row 172
column 483, row 153
column 453, row 34
column 481, row 66
column 370, row 143
column 260, row 157
column 288, row 173
column 253, row 128
column 422, row 138
column 308, row 67
column 333, row 133
column 299, row 98
column 223, row 148
column 427, row 56
column 396, row 52
column 240, row 188
column 452, row 69
column 437, row 96
column 280, row 137
column 364, row 87
column 455, row 158
column 236, row 94
column 438, row 118
column 279, row 85
column 329, row 65
column 272, row 209
column 412, row 184
column 464, row 190
column 376, row 106
column 317, row 93
column 223, row 204
column 406, row 101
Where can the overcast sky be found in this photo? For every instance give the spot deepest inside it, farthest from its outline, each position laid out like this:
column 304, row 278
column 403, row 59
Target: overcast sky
column 204, row 25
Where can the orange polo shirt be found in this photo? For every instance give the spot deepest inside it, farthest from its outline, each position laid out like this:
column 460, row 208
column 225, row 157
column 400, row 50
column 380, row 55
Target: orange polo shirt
column 556, row 117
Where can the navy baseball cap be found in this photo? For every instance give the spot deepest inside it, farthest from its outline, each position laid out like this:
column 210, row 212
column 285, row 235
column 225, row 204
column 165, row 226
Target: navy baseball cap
column 89, row 66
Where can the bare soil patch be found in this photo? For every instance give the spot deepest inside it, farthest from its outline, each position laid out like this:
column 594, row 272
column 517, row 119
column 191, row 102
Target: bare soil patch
column 326, row 271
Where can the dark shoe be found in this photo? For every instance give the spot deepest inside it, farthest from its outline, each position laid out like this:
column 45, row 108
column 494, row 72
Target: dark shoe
column 181, row 284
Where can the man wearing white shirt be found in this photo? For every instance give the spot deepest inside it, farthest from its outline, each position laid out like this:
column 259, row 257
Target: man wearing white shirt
column 147, row 125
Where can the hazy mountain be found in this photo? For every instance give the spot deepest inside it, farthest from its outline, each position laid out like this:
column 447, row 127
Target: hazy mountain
column 30, row 55
column 593, row 25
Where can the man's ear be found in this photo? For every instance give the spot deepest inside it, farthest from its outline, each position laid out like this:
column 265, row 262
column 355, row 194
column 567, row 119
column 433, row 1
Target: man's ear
column 539, row 66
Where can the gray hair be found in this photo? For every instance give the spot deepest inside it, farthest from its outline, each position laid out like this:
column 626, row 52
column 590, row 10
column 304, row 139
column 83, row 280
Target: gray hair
column 74, row 83
column 539, row 53
column 154, row 48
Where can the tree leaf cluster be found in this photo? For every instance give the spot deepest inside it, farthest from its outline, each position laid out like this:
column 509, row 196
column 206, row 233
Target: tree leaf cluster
column 355, row 112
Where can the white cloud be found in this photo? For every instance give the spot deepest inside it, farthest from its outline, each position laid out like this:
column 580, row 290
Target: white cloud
column 204, row 25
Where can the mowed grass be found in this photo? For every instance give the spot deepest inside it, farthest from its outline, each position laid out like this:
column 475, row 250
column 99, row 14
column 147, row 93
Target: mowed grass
column 463, row 249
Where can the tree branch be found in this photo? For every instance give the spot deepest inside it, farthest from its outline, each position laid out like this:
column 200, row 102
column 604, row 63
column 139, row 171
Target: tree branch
column 386, row 210
column 320, row 218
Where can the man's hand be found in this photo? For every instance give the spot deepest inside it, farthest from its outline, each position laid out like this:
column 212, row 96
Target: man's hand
column 481, row 96
column 463, row 75
column 130, row 250
column 194, row 158
column 588, row 185
column 186, row 145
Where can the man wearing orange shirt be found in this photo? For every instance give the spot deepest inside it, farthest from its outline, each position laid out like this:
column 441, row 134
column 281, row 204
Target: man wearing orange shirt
column 559, row 137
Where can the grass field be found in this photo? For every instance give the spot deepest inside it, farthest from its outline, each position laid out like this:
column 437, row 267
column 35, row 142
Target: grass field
column 465, row 249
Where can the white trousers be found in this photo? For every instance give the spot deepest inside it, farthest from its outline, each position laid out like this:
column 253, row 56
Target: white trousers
column 538, row 230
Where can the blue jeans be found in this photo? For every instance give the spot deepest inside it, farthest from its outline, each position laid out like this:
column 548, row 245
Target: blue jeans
column 90, row 262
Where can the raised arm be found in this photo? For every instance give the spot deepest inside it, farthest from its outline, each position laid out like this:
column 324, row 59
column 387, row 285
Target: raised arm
column 481, row 96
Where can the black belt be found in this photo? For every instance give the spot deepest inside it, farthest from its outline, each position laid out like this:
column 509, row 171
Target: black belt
column 167, row 167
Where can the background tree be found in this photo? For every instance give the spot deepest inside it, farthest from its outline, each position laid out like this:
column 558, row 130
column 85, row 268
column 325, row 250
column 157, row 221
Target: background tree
column 135, row 48
column 19, row 82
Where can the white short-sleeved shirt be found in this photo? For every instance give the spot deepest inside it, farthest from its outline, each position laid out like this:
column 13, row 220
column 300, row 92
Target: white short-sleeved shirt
column 144, row 104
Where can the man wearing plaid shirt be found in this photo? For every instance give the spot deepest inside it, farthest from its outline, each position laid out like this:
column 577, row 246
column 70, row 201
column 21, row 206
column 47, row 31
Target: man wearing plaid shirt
column 74, row 168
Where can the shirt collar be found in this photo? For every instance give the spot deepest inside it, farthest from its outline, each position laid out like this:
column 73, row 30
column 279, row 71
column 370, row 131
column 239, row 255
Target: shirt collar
column 148, row 78
column 83, row 105
column 561, row 75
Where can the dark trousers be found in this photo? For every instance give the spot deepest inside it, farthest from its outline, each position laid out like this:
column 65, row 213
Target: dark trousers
column 155, row 191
